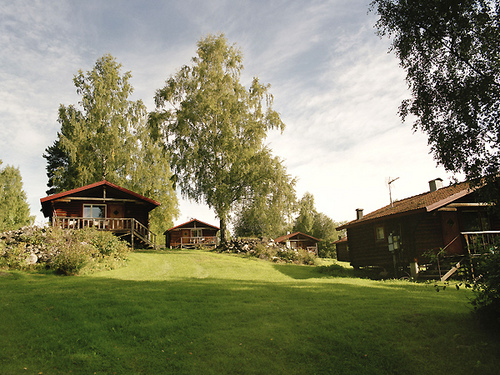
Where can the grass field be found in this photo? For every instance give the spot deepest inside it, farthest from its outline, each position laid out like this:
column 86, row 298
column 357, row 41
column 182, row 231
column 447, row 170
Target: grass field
column 195, row 312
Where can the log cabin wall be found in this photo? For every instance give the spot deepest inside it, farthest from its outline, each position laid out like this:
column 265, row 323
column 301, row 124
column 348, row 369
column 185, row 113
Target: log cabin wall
column 75, row 209
column 369, row 246
column 364, row 250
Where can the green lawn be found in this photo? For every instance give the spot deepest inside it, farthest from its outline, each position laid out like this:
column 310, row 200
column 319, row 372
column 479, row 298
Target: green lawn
column 195, row 312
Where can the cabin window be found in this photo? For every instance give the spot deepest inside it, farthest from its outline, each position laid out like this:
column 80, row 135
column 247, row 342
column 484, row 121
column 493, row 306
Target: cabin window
column 94, row 211
column 196, row 233
column 379, row 233
column 473, row 221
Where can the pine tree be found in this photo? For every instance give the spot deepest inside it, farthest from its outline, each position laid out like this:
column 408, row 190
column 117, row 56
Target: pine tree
column 14, row 209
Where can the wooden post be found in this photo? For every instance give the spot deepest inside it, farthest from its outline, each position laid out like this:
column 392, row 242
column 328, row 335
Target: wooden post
column 132, row 233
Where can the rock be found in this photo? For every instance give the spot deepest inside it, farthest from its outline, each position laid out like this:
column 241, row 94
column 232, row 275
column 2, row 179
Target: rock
column 31, row 259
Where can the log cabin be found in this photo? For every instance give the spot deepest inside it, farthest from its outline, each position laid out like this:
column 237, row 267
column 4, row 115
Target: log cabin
column 192, row 234
column 299, row 240
column 342, row 249
column 104, row 206
column 401, row 235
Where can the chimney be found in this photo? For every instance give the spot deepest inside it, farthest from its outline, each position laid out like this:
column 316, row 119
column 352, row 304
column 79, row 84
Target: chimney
column 435, row 184
column 359, row 213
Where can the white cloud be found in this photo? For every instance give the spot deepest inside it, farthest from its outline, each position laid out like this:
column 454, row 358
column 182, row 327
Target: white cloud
column 334, row 84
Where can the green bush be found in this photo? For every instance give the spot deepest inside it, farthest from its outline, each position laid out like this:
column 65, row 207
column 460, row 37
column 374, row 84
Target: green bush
column 14, row 257
column 487, row 289
column 73, row 257
column 68, row 252
column 264, row 252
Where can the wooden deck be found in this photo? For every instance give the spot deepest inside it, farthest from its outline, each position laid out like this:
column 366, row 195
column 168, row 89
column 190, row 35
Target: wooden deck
column 193, row 242
column 120, row 226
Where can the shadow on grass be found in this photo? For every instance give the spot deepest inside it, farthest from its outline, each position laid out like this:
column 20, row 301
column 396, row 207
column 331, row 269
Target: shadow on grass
column 300, row 272
column 211, row 326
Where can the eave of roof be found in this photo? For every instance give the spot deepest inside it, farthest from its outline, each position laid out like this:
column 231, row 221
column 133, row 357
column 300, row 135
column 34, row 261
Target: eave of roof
column 287, row 236
column 425, row 202
column 190, row 221
column 97, row 184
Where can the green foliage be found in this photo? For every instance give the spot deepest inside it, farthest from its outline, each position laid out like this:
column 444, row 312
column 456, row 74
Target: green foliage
column 14, row 257
column 317, row 224
column 451, row 53
column 487, row 289
column 14, row 209
column 68, row 252
column 214, row 128
column 267, row 213
column 108, row 138
column 278, row 254
column 304, row 222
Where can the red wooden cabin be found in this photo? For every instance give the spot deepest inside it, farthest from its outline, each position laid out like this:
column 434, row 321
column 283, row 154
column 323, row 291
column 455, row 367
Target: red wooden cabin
column 104, row 206
column 400, row 235
column 299, row 240
column 192, row 234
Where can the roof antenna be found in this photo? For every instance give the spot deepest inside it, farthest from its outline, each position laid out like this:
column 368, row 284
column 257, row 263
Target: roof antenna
column 390, row 193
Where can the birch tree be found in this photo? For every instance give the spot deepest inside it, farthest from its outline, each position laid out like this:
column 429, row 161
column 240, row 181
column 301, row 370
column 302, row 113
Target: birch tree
column 214, row 128
column 106, row 136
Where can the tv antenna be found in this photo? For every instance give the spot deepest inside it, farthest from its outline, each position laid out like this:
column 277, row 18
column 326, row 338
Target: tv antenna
column 390, row 193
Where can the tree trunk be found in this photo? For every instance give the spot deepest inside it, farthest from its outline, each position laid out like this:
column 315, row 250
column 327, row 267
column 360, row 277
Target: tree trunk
column 223, row 238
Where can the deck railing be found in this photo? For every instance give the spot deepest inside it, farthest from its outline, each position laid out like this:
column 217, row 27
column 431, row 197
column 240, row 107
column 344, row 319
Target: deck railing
column 481, row 242
column 194, row 241
column 119, row 225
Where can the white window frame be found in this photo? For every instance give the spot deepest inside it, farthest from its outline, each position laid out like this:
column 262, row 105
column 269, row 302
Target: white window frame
column 196, row 232
column 91, row 206
column 380, row 233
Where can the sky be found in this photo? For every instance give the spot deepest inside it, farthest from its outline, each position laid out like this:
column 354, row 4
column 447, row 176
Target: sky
column 334, row 82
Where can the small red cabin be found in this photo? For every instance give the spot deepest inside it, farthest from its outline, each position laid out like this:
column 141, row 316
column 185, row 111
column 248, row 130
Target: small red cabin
column 104, row 206
column 299, row 240
column 191, row 234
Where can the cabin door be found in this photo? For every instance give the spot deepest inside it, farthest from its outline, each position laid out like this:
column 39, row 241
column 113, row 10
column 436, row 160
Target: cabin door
column 116, row 211
column 451, row 232
column 186, row 237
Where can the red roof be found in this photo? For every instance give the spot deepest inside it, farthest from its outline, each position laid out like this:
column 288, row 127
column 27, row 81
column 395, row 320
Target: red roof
column 189, row 222
column 288, row 236
column 94, row 185
column 425, row 202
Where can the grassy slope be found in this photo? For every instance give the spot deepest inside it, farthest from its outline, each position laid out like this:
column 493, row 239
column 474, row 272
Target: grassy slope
column 202, row 313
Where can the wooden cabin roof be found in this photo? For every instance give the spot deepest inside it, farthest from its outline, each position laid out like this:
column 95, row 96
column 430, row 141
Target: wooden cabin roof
column 296, row 234
column 92, row 190
column 193, row 223
column 340, row 240
column 425, row 202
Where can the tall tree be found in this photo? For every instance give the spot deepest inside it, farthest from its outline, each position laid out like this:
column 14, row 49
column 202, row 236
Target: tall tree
column 107, row 137
column 307, row 211
column 14, row 209
column 316, row 224
column 450, row 51
column 214, row 128
column 268, row 212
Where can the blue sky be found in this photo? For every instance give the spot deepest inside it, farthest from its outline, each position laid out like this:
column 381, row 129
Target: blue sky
column 334, row 83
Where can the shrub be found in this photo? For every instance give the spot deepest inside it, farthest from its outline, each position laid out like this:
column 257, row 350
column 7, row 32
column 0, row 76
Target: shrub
column 13, row 257
column 487, row 289
column 73, row 257
column 69, row 252
column 264, row 252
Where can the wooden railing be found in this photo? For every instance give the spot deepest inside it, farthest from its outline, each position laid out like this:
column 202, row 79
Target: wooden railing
column 477, row 243
column 194, row 241
column 120, row 225
column 481, row 242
